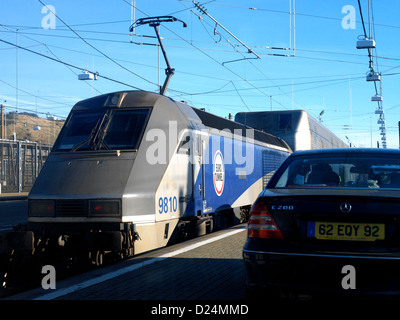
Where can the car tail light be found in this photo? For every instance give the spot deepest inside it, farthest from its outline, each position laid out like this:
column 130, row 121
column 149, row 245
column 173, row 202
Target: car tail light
column 261, row 224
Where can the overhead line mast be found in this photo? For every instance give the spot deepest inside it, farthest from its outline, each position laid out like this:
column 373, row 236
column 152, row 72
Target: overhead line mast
column 369, row 43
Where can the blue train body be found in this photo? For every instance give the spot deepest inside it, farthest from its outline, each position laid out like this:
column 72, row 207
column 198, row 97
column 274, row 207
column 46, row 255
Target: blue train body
column 233, row 176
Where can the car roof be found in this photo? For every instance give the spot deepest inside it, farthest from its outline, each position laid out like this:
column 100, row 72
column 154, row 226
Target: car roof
column 346, row 151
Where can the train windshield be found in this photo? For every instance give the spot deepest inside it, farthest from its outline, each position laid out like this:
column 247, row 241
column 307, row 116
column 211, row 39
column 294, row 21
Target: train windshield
column 100, row 130
column 124, row 129
column 77, row 133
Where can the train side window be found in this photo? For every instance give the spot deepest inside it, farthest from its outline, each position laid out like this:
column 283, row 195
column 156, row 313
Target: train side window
column 285, row 122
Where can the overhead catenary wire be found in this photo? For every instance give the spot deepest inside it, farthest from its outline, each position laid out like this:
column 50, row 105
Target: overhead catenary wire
column 30, row 110
column 232, row 45
column 206, row 54
column 224, row 65
column 240, row 96
column 70, row 65
column 48, row 49
column 99, row 51
column 245, row 80
column 202, row 10
column 245, row 70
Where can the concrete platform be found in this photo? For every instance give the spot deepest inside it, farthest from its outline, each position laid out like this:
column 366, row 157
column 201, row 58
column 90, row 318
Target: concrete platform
column 206, row 268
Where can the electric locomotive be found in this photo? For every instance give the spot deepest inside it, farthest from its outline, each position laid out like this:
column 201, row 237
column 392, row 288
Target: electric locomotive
column 132, row 171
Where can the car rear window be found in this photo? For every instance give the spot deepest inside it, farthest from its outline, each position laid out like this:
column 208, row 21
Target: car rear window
column 346, row 170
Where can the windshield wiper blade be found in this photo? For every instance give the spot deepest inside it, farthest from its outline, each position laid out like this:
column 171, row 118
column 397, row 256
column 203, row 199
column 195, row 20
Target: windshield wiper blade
column 102, row 143
column 92, row 133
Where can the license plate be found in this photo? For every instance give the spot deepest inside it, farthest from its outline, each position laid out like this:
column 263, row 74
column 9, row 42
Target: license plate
column 346, row 231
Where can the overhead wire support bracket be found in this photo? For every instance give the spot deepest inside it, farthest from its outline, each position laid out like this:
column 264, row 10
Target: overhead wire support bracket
column 155, row 23
column 204, row 11
column 236, row 60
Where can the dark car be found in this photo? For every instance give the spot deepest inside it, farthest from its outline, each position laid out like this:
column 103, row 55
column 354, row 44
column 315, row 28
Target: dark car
column 327, row 222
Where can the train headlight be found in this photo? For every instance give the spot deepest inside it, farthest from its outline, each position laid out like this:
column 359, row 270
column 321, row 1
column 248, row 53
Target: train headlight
column 104, row 208
column 41, row 208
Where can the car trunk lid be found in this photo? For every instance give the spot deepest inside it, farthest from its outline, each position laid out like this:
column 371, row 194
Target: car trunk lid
column 347, row 221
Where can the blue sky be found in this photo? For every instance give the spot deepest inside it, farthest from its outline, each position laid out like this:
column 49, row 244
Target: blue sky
column 323, row 70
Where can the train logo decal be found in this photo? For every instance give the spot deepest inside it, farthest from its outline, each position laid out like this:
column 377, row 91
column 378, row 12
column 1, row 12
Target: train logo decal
column 218, row 173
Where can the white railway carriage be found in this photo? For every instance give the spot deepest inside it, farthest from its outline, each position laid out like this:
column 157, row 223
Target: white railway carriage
column 300, row 130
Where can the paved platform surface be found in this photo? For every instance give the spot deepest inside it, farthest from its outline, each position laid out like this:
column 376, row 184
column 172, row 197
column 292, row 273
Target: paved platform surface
column 206, row 268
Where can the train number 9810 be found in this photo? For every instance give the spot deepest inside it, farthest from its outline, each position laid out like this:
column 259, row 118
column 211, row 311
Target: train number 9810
column 167, row 205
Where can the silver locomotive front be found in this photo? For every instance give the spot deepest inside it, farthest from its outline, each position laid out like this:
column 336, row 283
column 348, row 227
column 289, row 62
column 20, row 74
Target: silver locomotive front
column 96, row 186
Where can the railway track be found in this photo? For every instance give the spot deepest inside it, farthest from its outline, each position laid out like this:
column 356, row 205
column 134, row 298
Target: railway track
column 21, row 270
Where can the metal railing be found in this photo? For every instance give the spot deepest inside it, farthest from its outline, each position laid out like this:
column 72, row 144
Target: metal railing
column 20, row 164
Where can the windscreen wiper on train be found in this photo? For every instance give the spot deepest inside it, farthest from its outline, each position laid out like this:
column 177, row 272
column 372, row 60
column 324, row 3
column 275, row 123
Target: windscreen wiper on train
column 80, row 144
column 93, row 135
column 99, row 142
column 98, row 139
